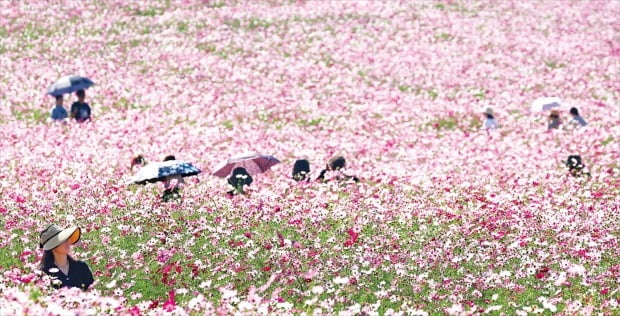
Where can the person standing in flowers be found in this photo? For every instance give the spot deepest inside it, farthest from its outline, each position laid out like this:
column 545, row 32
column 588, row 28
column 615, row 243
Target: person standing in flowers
column 301, row 170
column 56, row 261
column 489, row 120
column 577, row 120
column 138, row 161
column 238, row 179
column 337, row 164
column 172, row 184
column 59, row 113
column 80, row 110
column 554, row 122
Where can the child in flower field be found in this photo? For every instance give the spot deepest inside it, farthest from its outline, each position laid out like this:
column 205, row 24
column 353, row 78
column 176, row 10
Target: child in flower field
column 172, row 184
column 337, row 163
column 301, row 169
column 56, row 261
column 80, row 110
column 238, row 179
column 489, row 120
column 554, row 120
column 138, row 161
column 577, row 120
column 59, row 113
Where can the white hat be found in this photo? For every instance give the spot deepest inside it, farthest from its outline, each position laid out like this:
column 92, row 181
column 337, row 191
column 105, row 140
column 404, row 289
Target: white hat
column 488, row 111
column 53, row 236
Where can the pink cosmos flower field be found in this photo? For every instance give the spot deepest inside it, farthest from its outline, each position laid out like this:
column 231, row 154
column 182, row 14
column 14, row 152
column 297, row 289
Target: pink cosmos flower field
column 447, row 218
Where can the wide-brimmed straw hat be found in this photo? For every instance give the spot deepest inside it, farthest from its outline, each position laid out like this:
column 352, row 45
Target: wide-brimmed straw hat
column 53, row 236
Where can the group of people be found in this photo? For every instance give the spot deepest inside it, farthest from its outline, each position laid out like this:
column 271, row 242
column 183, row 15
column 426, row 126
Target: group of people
column 553, row 121
column 240, row 177
column 57, row 243
column 80, row 110
column 172, row 184
column 574, row 163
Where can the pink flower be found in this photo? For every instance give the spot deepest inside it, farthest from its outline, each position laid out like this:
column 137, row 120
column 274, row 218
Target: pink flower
column 170, row 304
column 352, row 237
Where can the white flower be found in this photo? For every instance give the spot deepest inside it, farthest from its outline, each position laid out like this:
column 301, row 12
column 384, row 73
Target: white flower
column 416, row 312
column 493, row 308
column 317, row 289
column 227, row 294
column 111, row 284
column 547, row 305
column 343, row 280
column 561, row 279
column 455, row 309
column 577, row 269
column 193, row 303
column 245, row 306
column 285, row 305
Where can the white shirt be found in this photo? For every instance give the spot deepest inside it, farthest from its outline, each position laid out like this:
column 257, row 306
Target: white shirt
column 490, row 123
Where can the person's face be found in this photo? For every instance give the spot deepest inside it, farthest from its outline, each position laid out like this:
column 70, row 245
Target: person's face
column 63, row 249
column 59, row 101
column 81, row 97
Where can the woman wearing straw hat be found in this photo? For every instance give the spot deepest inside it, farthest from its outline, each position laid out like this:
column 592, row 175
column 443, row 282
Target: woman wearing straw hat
column 56, row 262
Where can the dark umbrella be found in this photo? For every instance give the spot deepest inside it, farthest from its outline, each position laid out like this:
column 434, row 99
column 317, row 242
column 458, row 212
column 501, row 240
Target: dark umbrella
column 69, row 84
column 253, row 162
column 158, row 171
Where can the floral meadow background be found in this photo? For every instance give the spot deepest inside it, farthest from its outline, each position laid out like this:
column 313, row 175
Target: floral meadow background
column 447, row 219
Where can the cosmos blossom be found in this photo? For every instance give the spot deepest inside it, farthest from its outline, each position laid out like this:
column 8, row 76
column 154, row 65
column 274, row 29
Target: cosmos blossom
column 446, row 218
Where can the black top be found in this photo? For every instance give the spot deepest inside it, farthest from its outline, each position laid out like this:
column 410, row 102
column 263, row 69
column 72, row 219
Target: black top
column 239, row 178
column 80, row 111
column 79, row 275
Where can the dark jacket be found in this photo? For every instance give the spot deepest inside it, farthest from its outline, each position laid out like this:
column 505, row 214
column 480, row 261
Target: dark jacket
column 79, row 275
column 80, row 111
